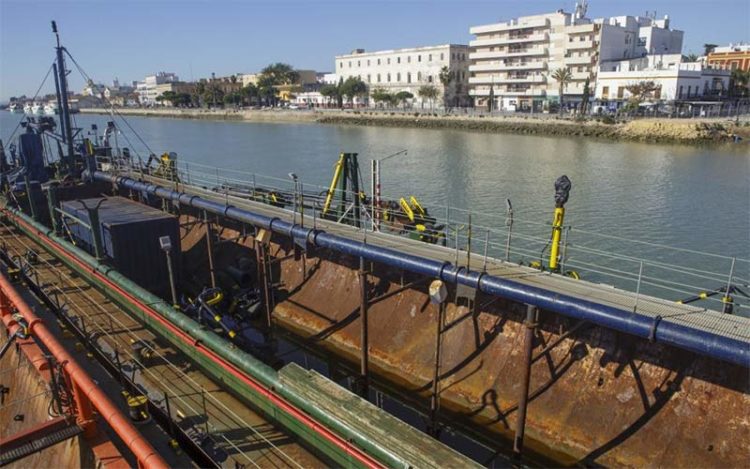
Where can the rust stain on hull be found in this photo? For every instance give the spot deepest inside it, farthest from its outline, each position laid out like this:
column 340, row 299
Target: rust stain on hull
column 597, row 396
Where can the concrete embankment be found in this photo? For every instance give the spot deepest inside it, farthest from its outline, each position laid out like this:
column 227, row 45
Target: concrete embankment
column 690, row 131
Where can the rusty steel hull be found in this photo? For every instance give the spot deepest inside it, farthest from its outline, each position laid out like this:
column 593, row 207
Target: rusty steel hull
column 596, row 396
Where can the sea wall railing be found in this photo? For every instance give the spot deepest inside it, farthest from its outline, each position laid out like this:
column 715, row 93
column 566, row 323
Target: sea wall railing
column 517, row 236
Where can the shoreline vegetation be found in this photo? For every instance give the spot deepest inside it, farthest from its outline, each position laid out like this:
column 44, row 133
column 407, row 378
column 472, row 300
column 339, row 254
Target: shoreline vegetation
column 656, row 130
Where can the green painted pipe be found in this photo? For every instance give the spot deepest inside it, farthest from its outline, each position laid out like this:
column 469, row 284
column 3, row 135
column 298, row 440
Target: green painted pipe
column 242, row 360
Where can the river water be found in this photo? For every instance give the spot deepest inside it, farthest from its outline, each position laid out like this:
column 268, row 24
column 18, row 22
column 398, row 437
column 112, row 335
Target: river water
column 626, row 199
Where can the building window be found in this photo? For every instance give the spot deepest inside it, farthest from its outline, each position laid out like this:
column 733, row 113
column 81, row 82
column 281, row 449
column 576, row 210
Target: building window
column 441, row 56
column 419, row 58
column 389, row 78
column 378, row 78
column 408, row 77
column 679, row 93
column 419, row 76
column 378, row 61
column 429, row 58
column 358, row 64
column 429, row 78
column 398, row 77
column 368, row 62
column 368, row 79
column 388, row 60
column 408, row 59
column 350, row 64
column 620, row 92
column 453, row 56
column 341, row 64
column 605, row 91
column 398, row 60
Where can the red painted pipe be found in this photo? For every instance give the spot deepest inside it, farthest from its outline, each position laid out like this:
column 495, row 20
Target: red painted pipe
column 280, row 402
column 86, row 391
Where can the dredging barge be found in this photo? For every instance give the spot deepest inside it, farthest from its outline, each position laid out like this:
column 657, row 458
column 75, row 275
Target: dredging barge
column 526, row 361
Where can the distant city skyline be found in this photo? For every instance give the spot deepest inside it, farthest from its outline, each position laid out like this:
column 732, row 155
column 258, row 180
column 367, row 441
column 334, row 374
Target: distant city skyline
column 195, row 39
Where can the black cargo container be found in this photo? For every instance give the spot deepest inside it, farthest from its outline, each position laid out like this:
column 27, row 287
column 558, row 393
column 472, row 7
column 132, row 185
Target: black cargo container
column 130, row 234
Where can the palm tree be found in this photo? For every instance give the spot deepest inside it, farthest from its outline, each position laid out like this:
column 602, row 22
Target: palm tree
column 446, row 77
column 428, row 92
column 563, row 76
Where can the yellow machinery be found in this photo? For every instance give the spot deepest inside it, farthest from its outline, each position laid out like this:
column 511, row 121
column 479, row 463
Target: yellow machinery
column 562, row 192
column 345, row 185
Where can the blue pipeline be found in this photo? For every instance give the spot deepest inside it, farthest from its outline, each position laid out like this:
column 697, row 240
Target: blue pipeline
column 695, row 340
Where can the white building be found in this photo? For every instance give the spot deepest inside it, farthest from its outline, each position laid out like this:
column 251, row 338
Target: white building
column 676, row 80
column 147, row 90
column 514, row 60
column 409, row 69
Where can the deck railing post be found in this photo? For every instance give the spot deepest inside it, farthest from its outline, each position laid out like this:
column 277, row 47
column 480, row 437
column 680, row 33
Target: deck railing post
column 438, row 296
column 509, row 224
column 530, row 323
column 638, row 287
column 364, row 335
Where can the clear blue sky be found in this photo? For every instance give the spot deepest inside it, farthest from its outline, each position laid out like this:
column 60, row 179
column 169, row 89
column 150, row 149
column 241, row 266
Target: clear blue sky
column 129, row 39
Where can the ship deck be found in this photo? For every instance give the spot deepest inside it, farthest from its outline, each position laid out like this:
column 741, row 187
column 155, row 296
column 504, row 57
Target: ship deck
column 236, row 435
column 656, row 309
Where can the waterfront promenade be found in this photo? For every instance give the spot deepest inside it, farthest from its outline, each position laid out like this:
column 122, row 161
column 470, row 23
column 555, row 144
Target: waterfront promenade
column 657, row 130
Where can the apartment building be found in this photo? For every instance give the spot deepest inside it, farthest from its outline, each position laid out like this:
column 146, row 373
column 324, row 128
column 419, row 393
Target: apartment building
column 147, row 90
column 513, row 61
column 733, row 56
column 409, row 69
column 675, row 80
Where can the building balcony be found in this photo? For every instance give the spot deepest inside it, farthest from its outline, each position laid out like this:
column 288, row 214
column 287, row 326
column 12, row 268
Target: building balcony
column 509, row 26
column 501, row 41
column 530, row 52
column 580, row 75
column 501, row 92
column 489, row 80
column 499, row 66
column 577, row 45
column 581, row 28
column 585, row 60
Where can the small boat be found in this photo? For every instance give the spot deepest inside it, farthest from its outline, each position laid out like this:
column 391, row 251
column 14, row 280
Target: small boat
column 27, row 109
column 36, row 109
column 50, row 109
column 13, row 108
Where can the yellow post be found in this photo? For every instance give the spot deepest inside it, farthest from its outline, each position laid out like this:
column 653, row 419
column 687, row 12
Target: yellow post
column 336, row 176
column 557, row 224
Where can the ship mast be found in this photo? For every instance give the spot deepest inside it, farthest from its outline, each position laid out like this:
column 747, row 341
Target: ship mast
column 61, row 85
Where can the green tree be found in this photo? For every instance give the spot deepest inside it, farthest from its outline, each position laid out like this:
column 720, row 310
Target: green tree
column 352, row 88
column 267, row 90
column 640, row 92
column 213, row 94
column 273, row 76
column 379, row 95
column 333, row 93
column 563, row 76
column 428, row 92
column 691, row 57
column 402, row 96
column 586, row 96
column 234, row 98
column 446, row 78
column 738, row 83
column 249, row 93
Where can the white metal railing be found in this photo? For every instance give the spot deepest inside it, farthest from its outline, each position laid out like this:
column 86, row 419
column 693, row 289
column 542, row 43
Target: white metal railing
column 670, row 273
